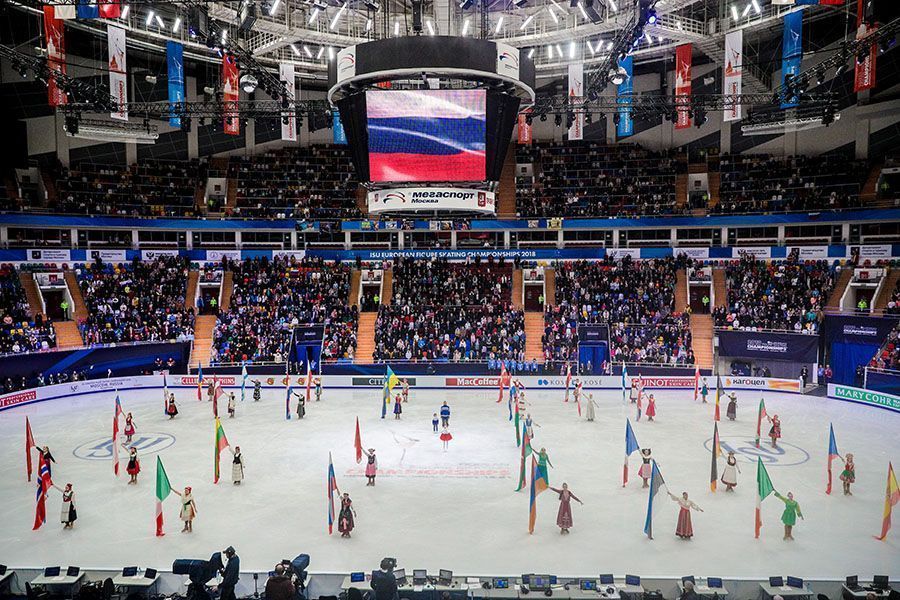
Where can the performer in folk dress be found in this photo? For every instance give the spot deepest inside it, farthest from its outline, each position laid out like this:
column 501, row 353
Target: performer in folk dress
column 564, row 516
column 301, row 405
column 445, row 415
column 67, row 514
column 790, row 514
column 848, row 475
column 634, row 393
column 704, row 390
column 129, row 428
column 577, row 393
column 775, row 431
column 211, row 391
column 231, row 405
column 44, row 455
column 731, row 411
column 404, row 387
column 134, row 465
column 172, row 410
column 188, row 509
column 529, row 425
column 434, row 422
column 589, row 406
column 729, row 475
column 347, row 516
column 651, row 407
column 371, row 467
column 646, row 469
column 543, row 462
column 684, row 529
column 446, row 437
column 237, row 465
column 318, row 382
column 257, row 390
column 398, row 407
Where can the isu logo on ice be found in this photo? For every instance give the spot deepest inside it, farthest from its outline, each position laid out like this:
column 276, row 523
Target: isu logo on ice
column 101, row 449
column 785, row 455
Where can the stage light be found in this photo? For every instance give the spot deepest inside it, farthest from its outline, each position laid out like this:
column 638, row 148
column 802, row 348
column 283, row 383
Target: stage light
column 149, row 20
column 224, row 36
column 526, row 22
column 125, row 10
column 549, row 52
column 609, row 46
column 499, row 25
column 531, row 53
column 249, row 83
column 430, row 27
column 543, row 118
column 559, row 50
column 583, row 13
column 466, row 4
column 746, row 11
column 651, row 17
column 160, row 22
column 520, row 3
column 557, row 120
column 613, row 6
column 320, row 52
column 313, row 16
column 337, row 17
column 177, row 25
column 295, row 49
column 734, row 13
column 330, row 53
column 553, row 14
column 572, row 49
column 618, row 76
column 465, row 28
column 591, row 48
column 396, row 28
column 756, row 6
column 588, row 118
column 274, row 7
column 307, row 51
column 368, row 25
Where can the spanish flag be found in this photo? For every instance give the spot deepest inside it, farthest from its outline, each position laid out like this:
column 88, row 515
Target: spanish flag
column 891, row 498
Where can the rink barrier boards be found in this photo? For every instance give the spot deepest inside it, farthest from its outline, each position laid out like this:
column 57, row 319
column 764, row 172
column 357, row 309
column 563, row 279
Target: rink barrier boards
column 113, row 385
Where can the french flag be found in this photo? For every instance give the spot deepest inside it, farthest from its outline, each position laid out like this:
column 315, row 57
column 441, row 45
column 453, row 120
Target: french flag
column 426, row 135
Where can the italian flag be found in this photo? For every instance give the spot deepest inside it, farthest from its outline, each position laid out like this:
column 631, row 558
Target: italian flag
column 221, row 444
column 163, row 489
column 763, row 488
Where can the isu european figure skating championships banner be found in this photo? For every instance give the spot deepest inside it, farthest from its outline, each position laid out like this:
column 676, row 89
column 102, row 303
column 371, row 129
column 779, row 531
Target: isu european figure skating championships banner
column 792, row 347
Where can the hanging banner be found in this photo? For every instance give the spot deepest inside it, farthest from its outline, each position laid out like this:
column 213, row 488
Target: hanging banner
column 88, row 9
column 683, row 61
column 54, row 35
column 864, row 76
column 230, row 95
column 337, row 128
column 118, row 80
column 289, row 125
column 576, row 100
column 734, row 59
column 792, row 52
column 625, row 126
column 175, row 68
column 65, row 9
column 110, row 10
column 524, row 130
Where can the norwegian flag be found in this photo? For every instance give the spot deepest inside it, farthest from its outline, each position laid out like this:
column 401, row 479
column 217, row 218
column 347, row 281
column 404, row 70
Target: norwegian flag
column 115, row 435
column 43, row 484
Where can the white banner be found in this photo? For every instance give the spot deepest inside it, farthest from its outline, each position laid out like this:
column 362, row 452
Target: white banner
column 875, row 251
column 695, row 253
column 49, row 254
column 809, row 252
column 617, row 253
column 118, row 78
column 734, row 59
column 74, row 388
column 871, row 397
column 218, row 255
column 154, row 254
column 298, row 254
column 110, row 256
column 431, row 199
column 55, row 279
column 576, row 98
column 346, row 63
column 757, row 252
column 507, row 60
column 289, row 125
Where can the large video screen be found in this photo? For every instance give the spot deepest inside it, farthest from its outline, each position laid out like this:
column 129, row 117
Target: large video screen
column 427, row 135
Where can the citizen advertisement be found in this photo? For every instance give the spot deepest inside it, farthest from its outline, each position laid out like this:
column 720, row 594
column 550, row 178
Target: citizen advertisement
column 378, row 381
column 769, row 346
column 431, row 199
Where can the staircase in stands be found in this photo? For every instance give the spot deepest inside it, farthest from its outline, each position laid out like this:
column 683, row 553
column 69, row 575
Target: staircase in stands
column 681, row 291
column 534, row 320
column 720, row 289
column 702, row 340
column 886, row 291
column 506, row 190
column 79, row 310
column 517, row 290
column 32, row 294
column 715, row 183
column 353, row 299
column 387, row 286
column 870, row 188
column 67, row 333
column 840, row 286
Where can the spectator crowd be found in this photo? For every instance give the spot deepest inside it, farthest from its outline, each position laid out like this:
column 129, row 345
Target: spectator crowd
column 18, row 331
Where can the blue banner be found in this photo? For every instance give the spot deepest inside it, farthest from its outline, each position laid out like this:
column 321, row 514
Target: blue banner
column 625, row 127
column 340, row 136
column 767, row 345
column 175, row 62
column 792, row 52
column 88, row 9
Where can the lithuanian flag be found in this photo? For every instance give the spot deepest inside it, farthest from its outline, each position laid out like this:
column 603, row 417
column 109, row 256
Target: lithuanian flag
column 221, row 444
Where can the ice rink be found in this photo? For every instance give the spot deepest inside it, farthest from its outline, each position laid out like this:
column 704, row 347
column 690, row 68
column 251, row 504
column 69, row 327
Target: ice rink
column 456, row 509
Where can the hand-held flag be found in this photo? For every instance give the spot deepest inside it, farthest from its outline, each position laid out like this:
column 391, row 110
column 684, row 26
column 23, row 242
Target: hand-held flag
column 631, row 445
column 538, row 485
column 199, row 381
column 357, row 443
column 332, row 488
column 221, row 444
column 115, row 436
column 163, row 489
column 287, row 401
column 516, row 426
column 696, row 382
column 656, row 484
column 43, row 484
column 716, row 452
column 568, row 380
column 763, row 489
column 718, row 416
column 390, row 380
column 29, row 444
column 891, row 498
column 244, row 376
column 526, row 452
column 832, row 454
column 504, row 380
column 308, row 378
column 759, row 419
column 624, row 382
column 165, row 395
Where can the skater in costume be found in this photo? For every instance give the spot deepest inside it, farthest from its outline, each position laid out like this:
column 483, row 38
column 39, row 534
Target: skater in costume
column 848, row 475
column 398, row 408
column 704, row 390
column 446, row 437
column 529, row 425
column 646, row 469
column 577, row 393
column 44, row 455
column 301, row 405
column 445, row 415
column 318, row 382
column 651, row 407
column 129, row 428
column 67, row 514
column 633, row 394
column 134, row 465
column 589, row 406
column 731, row 411
column 371, row 467
column 684, row 529
column 434, row 422
column 231, row 405
column 210, row 392
column 347, row 516
column 775, row 431
column 564, row 516
column 729, row 475
column 188, row 509
column 543, row 462
column 790, row 514
column 237, row 466
column 257, row 390
column 172, row 410
column 404, row 386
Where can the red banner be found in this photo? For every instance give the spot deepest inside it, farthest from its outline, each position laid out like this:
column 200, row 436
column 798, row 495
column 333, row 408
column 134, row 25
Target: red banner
column 524, row 130
column 110, row 10
column 865, row 71
column 54, row 35
column 230, row 95
column 683, row 61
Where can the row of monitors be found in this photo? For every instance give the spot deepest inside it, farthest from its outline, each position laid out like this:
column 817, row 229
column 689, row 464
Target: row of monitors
column 74, row 571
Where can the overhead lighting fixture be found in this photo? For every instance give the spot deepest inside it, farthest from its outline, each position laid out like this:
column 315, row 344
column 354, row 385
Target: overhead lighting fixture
column 125, row 10
column 648, row 38
column 295, row 49
column 466, row 4
column 746, row 10
column 368, row 24
column 307, row 51
column 177, row 25
column 465, row 28
column 618, row 76
column 679, row 25
column 249, row 83
column 320, row 53
column 430, row 27
column 531, row 53
column 396, row 28
column 613, row 6
column 609, row 46
column 274, row 7
column 313, row 15
column 553, row 14
column 337, row 17
column 756, row 6
column 160, row 22
column 651, row 17
column 330, row 53
column 572, row 49
column 591, row 48
column 583, row 13
column 559, row 50
column 224, row 36
column 734, row 13
column 549, row 52
column 150, row 16
column 526, row 22
column 659, row 39
column 499, row 25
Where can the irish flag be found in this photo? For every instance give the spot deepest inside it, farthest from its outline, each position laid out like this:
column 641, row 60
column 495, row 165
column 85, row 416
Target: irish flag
column 891, row 498
column 832, row 454
column 163, row 489
column 221, row 444
column 763, row 489
column 760, row 416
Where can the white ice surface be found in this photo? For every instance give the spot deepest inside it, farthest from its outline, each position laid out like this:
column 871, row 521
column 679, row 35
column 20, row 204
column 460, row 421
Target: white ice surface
column 472, row 522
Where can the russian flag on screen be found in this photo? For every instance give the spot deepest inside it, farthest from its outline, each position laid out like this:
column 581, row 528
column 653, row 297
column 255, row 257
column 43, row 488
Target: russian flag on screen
column 427, row 135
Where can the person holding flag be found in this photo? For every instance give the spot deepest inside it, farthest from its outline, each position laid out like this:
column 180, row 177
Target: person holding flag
column 171, row 409
column 68, row 514
column 684, row 529
column 635, row 393
column 564, row 516
column 390, row 380
column 237, row 465
column 589, row 406
column 775, row 431
column 347, row 516
column 891, row 498
column 371, row 467
column 188, row 509
column 790, row 514
column 646, row 470
column 257, row 390
column 651, row 407
column 318, row 383
column 848, row 475
column 134, row 465
column 231, row 405
column 404, row 388
column 543, row 462
column 129, row 428
column 731, row 410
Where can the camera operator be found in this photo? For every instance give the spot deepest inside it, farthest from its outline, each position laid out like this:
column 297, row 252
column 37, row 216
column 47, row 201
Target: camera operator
column 279, row 586
column 383, row 581
column 230, row 575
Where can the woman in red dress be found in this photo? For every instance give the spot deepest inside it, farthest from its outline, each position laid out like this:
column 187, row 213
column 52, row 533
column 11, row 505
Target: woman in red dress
column 651, row 407
column 347, row 516
column 134, row 465
column 775, row 431
column 684, row 529
column 564, row 516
